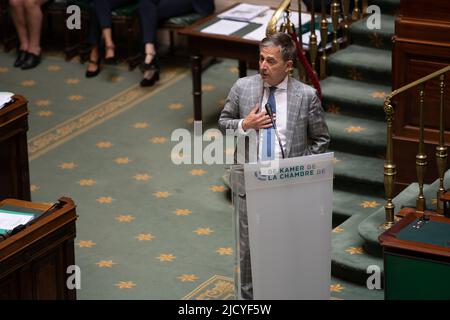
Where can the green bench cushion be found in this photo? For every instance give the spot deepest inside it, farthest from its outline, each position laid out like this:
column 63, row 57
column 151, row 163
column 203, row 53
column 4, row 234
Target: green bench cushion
column 182, row 21
column 126, row 11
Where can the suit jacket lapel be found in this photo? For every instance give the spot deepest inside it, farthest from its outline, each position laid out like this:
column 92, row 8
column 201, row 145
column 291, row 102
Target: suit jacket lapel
column 294, row 102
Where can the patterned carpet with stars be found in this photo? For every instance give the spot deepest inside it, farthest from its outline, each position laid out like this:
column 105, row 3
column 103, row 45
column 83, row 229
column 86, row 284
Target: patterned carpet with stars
column 147, row 228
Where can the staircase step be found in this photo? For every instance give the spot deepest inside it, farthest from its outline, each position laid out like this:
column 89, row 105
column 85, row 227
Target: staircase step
column 356, row 135
column 347, row 204
column 348, row 259
column 362, row 64
column 345, row 290
column 356, row 98
column 369, row 228
column 387, row 6
column 361, row 35
column 356, row 173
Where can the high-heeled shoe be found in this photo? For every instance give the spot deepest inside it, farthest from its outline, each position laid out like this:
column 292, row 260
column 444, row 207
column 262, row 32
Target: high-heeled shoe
column 110, row 60
column 21, row 57
column 152, row 66
column 91, row 74
column 150, row 81
column 31, row 61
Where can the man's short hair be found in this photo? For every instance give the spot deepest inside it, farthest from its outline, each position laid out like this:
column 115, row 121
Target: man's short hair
column 284, row 42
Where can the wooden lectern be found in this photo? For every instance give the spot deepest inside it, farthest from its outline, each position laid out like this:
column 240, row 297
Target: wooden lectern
column 14, row 172
column 416, row 254
column 34, row 261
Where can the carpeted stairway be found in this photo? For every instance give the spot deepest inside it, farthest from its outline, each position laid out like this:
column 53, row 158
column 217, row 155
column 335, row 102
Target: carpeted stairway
column 359, row 79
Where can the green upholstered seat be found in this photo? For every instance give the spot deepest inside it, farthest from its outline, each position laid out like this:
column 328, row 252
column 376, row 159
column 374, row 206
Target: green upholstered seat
column 126, row 11
column 183, row 20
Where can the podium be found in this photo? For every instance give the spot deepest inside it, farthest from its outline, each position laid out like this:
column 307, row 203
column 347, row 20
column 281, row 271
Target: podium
column 34, row 261
column 289, row 218
column 14, row 172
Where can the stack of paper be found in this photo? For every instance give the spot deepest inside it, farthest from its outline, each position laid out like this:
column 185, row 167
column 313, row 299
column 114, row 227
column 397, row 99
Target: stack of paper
column 11, row 219
column 5, row 98
column 243, row 12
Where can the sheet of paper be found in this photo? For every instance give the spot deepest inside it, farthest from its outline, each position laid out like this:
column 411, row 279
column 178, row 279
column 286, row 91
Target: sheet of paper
column 9, row 221
column 265, row 17
column 224, row 27
column 243, row 12
column 5, row 97
column 257, row 34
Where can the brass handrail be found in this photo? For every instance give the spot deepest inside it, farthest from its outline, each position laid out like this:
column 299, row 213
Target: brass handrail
column 272, row 26
column 421, row 158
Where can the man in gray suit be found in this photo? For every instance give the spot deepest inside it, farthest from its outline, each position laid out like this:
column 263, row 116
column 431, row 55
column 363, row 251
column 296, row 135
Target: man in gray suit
column 300, row 127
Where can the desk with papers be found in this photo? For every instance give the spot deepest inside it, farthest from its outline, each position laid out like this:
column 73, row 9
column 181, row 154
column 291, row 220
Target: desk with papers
column 238, row 39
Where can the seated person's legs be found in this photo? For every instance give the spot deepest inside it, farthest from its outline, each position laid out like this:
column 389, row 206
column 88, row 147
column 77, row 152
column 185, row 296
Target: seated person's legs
column 100, row 19
column 27, row 17
column 151, row 13
column 17, row 9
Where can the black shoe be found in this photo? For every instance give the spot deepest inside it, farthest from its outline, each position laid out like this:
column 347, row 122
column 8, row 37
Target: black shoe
column 91, row 74
column 21, row 57
column 31, row 61
column 149, row 82
column 111, row 60
column 149, row 66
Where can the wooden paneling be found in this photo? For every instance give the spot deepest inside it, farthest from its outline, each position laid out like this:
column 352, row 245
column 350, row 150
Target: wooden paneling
column 421, row 47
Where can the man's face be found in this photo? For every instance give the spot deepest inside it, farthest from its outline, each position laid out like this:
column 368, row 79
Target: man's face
column 272, row 67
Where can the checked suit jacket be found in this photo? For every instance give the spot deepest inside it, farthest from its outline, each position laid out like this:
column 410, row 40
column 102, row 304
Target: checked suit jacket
column 306, row 132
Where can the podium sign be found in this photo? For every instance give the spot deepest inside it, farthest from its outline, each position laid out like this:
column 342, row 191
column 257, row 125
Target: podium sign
column 289, row 214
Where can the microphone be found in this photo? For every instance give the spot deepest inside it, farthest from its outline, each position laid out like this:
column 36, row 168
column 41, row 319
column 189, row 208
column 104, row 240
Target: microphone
column 270, row 113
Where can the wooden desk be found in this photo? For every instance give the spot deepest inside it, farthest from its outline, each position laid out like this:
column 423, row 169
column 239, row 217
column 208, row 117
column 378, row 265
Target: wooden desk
column 206, row 44
column 417, row 260
column 34, row 261
column 14, row 172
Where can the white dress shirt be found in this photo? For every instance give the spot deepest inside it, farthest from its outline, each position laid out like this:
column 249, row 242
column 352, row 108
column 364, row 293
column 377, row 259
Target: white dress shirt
column 280, row 96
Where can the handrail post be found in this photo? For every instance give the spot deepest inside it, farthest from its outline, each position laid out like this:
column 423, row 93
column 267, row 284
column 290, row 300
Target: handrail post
column 335, row 10
column 324, row 37
column 421, row 158
column 441, row 149
column 389, row 167
column 313, row 38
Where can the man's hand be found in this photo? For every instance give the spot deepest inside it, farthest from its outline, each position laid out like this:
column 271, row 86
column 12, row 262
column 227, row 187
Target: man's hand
column 257, row 120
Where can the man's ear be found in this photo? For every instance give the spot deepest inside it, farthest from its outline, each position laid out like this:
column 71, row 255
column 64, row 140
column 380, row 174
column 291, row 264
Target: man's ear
column 290, row 64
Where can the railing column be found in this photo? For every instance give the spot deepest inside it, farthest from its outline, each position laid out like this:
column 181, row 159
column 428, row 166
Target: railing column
column 313, row 38
column 421, row 158
column 389, row 167
column 324, row 37
column 345, row 10
column 356, row 14
column 441, row 150
column 335, row 10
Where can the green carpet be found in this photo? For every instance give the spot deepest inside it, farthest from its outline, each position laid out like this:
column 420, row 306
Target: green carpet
column 144, row 230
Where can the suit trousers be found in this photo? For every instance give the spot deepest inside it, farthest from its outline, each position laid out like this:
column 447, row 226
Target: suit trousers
column 243, row 274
